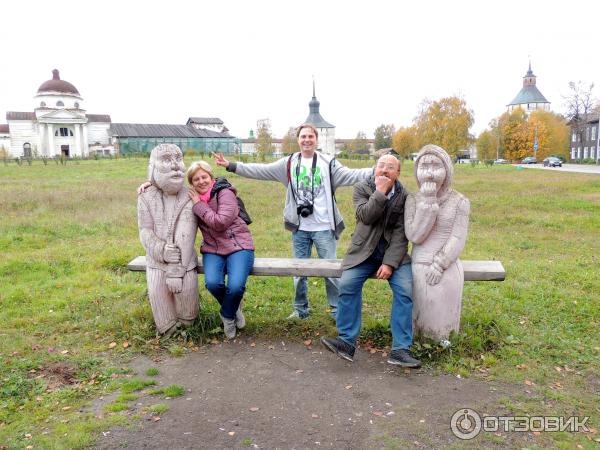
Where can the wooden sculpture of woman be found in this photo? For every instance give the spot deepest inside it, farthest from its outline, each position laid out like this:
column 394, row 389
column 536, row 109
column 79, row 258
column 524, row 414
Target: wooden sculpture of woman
column 436, row 221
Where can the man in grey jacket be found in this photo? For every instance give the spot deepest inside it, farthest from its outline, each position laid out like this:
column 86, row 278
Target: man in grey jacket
column 379, row 247
column 310, row 210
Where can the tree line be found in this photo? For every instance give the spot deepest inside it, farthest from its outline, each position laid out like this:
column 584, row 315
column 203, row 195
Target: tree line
column 446, row 122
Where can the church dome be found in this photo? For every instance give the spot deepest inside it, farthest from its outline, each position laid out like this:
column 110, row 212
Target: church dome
column 57, row 85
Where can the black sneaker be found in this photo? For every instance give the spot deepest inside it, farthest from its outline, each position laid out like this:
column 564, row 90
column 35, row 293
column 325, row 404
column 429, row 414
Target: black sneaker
column 403, row 357
column 339, row 347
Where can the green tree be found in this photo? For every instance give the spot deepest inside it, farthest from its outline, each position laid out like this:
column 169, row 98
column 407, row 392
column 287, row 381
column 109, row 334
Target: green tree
column 264, row 142
column 290, row 142
column 405, row 141
column 360, row 144
column 486, row 145
column 446, row 123
column 384, row 135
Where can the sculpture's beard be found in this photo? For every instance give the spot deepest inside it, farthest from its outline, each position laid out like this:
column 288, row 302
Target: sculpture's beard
column 170, row 182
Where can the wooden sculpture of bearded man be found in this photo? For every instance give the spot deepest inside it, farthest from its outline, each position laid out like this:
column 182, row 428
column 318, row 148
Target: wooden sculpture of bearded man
column 168, row 229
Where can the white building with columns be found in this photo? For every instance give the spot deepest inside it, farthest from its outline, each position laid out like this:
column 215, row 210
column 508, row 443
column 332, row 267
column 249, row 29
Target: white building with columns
column 58, row 125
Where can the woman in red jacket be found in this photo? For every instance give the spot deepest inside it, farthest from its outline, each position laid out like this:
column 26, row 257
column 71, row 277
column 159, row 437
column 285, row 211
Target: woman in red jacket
column 227, row 247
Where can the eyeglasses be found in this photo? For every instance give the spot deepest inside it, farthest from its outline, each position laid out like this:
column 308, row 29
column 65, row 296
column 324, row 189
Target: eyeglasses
column 388, row 166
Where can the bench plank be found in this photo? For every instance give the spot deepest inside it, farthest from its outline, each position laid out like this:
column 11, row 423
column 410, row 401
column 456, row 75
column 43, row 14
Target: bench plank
column 474, row 270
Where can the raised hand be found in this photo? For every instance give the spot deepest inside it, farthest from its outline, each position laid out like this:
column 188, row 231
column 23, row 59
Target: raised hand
column 383, row 183
column 428, row 189
column 220, row 160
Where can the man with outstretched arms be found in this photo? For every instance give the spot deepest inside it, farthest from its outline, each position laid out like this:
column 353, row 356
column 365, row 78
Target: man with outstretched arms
column 310, row 211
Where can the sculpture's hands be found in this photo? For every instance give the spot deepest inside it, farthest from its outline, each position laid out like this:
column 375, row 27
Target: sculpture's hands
column 383, row 184
column 427, row 198
column 428, row 189
column 220, row 160
column 175, row 285
column 142, row 187
column 172, row 254
column 384, row 272
column 433, row 275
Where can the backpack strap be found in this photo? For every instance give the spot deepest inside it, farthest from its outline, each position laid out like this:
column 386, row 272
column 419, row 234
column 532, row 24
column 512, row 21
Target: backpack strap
column 333, row 199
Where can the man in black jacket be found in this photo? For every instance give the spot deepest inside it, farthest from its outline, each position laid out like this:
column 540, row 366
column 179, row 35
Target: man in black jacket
column 379, row 247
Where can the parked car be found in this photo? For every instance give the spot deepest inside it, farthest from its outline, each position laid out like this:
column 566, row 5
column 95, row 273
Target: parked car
column 552, row 161
column 502, row 161
column 529, row 160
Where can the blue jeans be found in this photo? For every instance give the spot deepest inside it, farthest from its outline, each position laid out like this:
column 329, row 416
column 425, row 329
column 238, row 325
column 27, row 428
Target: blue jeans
column 325, row 243
column 350, row 303
column 237, row 266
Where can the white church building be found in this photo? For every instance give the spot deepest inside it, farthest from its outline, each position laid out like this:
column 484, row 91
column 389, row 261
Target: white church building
column 58, row 125
column 325, row 129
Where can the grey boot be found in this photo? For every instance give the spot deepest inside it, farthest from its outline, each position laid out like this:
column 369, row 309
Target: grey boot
column 229, row 327
column 240, row 320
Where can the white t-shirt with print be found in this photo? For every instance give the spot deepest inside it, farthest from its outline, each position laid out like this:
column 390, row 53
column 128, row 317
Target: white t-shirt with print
column 319, row 219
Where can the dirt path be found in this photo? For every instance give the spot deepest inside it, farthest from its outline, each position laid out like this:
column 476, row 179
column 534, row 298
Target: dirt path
column 285, row 395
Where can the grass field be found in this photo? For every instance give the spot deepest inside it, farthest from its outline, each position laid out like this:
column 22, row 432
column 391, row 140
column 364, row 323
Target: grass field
column 70, row 312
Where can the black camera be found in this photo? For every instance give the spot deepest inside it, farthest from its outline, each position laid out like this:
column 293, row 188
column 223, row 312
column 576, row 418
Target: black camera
column 305, row 210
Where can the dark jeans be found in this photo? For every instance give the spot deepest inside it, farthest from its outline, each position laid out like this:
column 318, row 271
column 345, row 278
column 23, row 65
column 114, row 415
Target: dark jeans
column 350, row 303
column 237, row 266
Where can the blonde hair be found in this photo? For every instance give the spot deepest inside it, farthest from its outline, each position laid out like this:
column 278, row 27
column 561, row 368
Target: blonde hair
column 195, row 167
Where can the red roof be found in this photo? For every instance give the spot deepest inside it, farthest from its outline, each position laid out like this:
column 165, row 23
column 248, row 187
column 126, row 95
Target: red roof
column 57, row 85
column 18, row 115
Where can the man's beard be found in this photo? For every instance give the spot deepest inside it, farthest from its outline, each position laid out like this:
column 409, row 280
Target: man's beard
column 168, row 182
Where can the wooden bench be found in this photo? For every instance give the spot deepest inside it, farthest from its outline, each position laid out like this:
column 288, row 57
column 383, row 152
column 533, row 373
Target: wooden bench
column 474, row 270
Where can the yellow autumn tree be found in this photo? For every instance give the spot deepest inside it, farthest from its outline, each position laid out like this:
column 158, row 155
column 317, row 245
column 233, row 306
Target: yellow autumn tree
column 519, row 133
column 405, row 141
column 515, row 135
column 554, row 134
column 446, row 123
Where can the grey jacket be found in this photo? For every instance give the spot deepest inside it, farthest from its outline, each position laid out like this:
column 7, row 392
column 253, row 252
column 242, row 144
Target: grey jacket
column 376, row 216
column 338, row 175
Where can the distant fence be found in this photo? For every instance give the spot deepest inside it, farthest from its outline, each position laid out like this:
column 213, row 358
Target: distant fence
column 62, row 160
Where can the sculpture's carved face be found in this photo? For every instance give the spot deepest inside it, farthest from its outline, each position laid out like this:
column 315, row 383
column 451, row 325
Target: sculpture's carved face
column 431, row 169
column 169, row 170
column 388, row 166
column 201, row 181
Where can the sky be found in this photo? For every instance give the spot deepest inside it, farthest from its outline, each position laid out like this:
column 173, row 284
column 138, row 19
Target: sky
column 373, row 62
